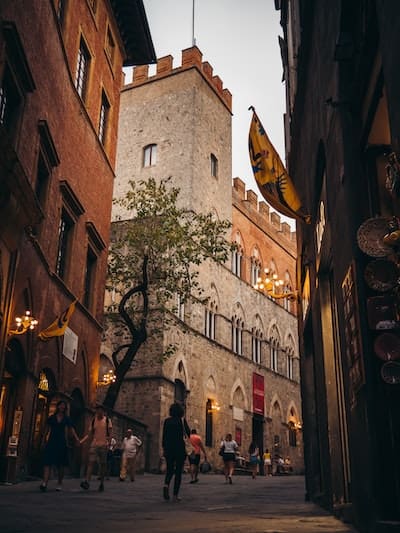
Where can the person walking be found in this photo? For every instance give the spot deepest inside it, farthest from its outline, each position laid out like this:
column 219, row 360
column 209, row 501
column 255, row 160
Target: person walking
column 254, row 459
column 175, row 428
column 194, row 457
column 228, row 450
column 59, row 426
column 100, row 435
column 130, row 448
column 267, row 463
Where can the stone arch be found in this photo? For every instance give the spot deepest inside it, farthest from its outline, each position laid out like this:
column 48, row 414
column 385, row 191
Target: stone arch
column 180, row 370
column 211, row 385
column 292, row 414
column 238, row 385
column 238, row 311
column 274, row 327
column 289, row 341
column 275, row 401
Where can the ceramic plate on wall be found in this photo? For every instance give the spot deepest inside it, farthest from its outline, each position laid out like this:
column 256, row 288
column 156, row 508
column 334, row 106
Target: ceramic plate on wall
column 387, row 346
column 390, row 372
column 370, row 237
column 381, row 275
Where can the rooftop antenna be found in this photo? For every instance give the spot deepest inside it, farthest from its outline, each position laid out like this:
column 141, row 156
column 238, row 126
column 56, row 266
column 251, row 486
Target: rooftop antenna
column 193, row 37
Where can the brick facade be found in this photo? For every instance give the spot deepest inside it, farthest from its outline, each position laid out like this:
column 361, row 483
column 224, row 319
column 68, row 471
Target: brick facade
column 50, row 129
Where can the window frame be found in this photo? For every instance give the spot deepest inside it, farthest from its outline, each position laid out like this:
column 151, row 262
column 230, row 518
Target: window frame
column 213, row 165
column 104, row 118
column 149, row 155
column 82, row 80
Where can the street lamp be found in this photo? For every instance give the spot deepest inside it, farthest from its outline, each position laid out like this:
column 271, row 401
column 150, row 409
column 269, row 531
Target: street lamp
column 23, row 324
column 108, row 378
column 273, row 286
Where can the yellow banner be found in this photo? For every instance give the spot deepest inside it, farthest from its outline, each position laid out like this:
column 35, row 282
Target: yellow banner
column 58, row 327
column 270, row 174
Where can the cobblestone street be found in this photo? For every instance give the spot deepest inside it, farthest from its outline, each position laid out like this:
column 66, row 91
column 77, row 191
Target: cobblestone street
column 264, row 505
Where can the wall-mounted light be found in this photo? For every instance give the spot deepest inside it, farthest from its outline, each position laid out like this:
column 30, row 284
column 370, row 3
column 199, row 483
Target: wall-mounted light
column 214, row 407
column 271, row 285
column 23, row 324
column 108, row 378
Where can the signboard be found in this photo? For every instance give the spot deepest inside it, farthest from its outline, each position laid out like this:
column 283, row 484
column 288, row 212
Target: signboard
column 258, row 394
column 70, row 346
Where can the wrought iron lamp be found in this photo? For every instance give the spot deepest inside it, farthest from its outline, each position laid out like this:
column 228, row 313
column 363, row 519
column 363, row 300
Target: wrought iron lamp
column 108, row 378
column 23, row 324
column 273, row 286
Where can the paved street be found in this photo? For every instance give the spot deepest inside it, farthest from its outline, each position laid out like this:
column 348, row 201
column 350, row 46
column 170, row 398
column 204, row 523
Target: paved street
column 264, row 505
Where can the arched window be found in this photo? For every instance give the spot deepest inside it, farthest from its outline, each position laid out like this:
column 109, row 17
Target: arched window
column 150, row 155
column 210, row 319
column 255, row 266
column 274, row 349
column 290, row 363
column 256, row 338
column 237, row 335
column 237, row 256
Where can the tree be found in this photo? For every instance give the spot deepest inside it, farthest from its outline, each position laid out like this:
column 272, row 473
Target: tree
column 154, row 257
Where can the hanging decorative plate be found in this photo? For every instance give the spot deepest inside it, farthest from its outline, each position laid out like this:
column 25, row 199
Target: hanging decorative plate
column 387, row 346
column 382, row 275
column 382, row 312
column 390, row 372
column 370, row 237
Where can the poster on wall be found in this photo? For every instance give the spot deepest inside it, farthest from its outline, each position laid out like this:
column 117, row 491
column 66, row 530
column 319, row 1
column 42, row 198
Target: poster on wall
column 352, row 333
column 70, row 346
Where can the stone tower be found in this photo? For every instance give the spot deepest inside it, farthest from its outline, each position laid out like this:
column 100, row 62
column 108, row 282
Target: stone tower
column 186, row 113
column 178, row 123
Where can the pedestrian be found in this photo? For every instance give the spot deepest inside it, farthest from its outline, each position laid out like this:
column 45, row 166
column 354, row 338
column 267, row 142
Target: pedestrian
column 130, row 448
column 100, row 436
column 267, row 463
column 254, row 459
column 228, row 450
column 110, row 457
column 194, row 456
column 174, row 430
column 59, row 426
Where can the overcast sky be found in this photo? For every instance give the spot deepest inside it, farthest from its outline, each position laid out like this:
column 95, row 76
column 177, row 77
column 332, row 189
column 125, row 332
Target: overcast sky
column 240, row 40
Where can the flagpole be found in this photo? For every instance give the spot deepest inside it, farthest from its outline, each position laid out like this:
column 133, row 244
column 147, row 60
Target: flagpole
column 193, row 38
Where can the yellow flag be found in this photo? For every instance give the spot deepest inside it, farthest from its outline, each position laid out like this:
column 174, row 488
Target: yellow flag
column 58, row 327
column 270, row 174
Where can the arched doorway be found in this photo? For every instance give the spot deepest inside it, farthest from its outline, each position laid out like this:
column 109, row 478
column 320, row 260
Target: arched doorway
column 45, row 393
column 14, row 370
column 180, row 392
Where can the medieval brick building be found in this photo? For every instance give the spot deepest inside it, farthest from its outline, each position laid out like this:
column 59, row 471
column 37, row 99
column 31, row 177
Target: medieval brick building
column 60, row 78
column 236, row 367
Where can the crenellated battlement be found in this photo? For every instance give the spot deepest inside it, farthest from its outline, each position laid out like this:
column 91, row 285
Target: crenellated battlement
column 248, row 201
column 191, row 58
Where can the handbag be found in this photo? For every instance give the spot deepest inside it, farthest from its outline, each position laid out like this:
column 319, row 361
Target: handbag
column 222, row 450
column 205, row 467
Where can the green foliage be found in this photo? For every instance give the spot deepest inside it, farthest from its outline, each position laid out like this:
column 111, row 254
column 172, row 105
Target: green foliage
column 175, row 240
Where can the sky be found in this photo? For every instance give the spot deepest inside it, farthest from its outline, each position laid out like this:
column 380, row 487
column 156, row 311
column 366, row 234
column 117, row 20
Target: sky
column 240, row 40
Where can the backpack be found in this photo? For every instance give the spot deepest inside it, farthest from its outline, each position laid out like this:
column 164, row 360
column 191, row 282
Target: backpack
column 107, row 425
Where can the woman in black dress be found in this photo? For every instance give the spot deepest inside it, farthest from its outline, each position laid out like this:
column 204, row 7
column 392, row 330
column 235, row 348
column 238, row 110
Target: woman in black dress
column 59, row 425
column 174, row 430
